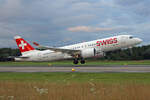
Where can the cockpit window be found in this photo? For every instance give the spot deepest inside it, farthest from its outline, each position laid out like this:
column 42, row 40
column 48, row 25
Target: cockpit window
column 131, row 37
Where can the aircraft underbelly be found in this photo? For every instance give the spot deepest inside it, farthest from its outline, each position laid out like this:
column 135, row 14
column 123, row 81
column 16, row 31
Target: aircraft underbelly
column 54, row 56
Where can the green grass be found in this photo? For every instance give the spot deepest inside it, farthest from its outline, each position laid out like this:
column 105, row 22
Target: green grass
column 74, row 86
column 77, row 77
column 69, row 63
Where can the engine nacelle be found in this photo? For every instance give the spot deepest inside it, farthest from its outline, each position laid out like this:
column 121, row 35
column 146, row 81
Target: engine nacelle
column 92, row 52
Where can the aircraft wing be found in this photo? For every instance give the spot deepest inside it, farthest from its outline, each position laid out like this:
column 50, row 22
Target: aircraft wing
column 68, row 51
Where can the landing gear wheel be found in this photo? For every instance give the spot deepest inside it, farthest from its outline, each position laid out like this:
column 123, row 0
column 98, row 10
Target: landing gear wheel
column 82, row 61
column 75, row 61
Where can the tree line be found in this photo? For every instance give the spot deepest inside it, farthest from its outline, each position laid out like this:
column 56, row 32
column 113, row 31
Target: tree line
column 135, row 53
column 7, row 54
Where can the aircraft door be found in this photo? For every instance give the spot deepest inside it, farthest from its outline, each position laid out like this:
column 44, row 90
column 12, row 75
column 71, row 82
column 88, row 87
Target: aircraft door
column 123, row 41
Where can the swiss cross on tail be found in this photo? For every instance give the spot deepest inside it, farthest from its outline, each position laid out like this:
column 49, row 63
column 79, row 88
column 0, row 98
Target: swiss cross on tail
column 23, row 45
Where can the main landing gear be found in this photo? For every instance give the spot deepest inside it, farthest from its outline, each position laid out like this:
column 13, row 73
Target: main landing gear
column 76, row 61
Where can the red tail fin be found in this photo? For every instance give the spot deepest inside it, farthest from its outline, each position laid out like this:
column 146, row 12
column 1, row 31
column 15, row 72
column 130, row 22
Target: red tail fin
column 23, row 45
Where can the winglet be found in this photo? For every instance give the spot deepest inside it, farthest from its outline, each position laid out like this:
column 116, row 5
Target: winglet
column 36, row 44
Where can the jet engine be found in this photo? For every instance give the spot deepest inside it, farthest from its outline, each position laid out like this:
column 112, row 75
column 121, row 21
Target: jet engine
column 92, row 52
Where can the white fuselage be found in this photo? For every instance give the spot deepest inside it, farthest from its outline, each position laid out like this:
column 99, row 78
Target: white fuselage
column 103, row 45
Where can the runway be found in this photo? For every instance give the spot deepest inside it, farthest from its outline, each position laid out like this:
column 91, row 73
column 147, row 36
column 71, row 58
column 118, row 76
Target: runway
column 98, row 69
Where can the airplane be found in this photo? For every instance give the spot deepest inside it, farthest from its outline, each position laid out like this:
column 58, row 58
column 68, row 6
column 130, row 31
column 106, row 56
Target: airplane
column 77, row 52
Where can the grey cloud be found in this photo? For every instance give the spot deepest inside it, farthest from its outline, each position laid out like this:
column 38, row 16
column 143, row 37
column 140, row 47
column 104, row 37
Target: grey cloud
column 143, row 9
column 47, row 20
column 127, row 2
column 7, row 43
column 139, row 7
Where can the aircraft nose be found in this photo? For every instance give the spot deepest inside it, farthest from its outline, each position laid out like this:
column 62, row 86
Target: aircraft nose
column 140, row 40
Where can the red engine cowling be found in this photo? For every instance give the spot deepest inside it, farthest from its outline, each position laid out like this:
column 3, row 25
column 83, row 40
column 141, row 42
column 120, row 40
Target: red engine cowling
column 92, row 52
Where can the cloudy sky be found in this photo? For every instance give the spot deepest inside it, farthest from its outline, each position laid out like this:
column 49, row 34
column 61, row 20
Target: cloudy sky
column 62, row 22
